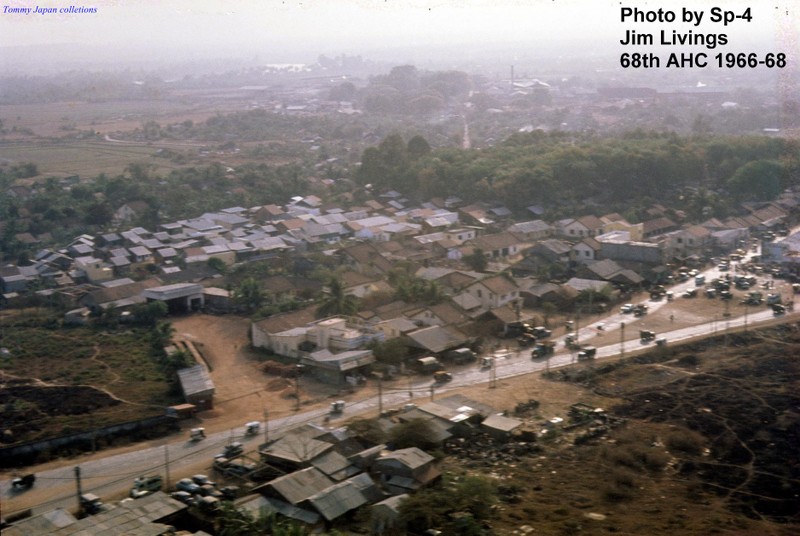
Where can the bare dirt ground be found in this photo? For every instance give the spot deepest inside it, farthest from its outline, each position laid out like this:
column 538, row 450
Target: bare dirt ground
column 243, row 390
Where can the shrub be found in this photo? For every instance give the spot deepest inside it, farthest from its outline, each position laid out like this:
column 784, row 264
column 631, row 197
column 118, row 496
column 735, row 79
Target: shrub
column 686, row 442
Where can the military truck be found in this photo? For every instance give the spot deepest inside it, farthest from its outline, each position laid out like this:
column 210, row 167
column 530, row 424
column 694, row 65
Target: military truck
column 91, row 504
column 543, row 349
column 461, row 356
column 427, row 365
column 440, row 376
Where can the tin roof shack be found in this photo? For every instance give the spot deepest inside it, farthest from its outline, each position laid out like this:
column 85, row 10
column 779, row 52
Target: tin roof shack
column 339, row 499
column 499, row 427
column 179, row 297
column 343, row 368
column 197, row 387
column 149, row 516
column 296, row 487
column 258, row 505
column 286, row 494
column 385, row 514
column 406, row 470
column 454, row 415
column 217, row 300
column 294, row 451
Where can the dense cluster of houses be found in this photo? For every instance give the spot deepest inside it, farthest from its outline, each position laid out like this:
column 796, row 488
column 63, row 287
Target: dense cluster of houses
column 315, row 475
column 118, row 270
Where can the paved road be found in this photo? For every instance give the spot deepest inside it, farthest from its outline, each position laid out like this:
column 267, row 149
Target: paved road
column 112, row 476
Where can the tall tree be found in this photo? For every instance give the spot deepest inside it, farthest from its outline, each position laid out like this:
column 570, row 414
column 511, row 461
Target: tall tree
column 477, row 260
column 418, row 147
column 248, row 294
column 337, row 302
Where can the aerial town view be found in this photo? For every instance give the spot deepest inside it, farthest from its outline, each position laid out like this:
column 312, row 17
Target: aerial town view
column 400, row 268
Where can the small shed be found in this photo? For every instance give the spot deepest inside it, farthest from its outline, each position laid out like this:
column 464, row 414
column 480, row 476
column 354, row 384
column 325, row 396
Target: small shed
column 197, row 387
column 500, row 427
column 384, row 515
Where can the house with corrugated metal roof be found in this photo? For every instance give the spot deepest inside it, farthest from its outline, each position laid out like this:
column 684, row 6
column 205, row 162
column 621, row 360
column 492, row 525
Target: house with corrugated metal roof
column 153, row 515
column 197, row 387
column 405, row 470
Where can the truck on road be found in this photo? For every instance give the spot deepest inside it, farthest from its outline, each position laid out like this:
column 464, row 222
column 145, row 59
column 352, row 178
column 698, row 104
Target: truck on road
column 543, row 349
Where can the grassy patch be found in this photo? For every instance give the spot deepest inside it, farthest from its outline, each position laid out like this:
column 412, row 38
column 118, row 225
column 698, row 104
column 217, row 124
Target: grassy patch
column 76, row 378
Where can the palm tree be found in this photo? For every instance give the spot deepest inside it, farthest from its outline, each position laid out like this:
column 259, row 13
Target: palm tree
column 337, row 303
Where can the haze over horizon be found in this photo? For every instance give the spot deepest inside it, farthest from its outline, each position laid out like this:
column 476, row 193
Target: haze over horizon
column 294, row 32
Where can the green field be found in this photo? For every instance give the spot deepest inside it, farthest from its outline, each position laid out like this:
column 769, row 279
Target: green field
column 84, row 158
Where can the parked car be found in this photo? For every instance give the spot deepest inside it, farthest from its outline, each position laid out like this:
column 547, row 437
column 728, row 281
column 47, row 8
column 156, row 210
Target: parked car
column 232, row 450
column 183, row 496
column 145, row 485
column 201, row 480
column 238, row 469
column 186, row 484
column 209, row 490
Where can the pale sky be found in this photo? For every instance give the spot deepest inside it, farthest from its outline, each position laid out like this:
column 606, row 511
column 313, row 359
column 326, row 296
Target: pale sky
column 333, row 26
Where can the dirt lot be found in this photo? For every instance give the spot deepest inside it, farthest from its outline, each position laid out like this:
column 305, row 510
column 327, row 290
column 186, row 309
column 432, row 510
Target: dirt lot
column 243, row 389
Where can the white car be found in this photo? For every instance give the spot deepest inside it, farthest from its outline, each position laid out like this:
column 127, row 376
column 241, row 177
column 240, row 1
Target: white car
column 627, row 308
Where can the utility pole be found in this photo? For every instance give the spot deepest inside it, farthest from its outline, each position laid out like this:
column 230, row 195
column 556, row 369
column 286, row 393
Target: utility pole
column 78, row 485
column 299, row 369
column 166, row 465
column 493, row 373
column 432, row 390
column 380, row 396
column 266, row 426
column 745, row 316
column 622, row 339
